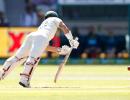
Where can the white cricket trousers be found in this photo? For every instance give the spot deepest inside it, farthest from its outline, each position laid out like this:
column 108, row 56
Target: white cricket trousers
column 33, row 46
column 29, row 52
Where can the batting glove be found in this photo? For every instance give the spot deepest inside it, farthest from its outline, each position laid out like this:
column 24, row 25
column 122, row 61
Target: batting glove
column 74, row 43
column 64, row 50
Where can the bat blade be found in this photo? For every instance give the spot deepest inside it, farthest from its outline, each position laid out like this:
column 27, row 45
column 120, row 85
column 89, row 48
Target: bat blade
column 61, row 66
column 58, row 72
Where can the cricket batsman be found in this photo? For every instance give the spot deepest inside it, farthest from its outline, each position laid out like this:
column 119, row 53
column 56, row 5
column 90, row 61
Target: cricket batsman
column 35, row 44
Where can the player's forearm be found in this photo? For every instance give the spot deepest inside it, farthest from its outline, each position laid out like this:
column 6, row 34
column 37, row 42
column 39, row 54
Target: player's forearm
column 73, row 42
column 52, row 49
column 64, row 28
column 66, row 31
column 64, row 50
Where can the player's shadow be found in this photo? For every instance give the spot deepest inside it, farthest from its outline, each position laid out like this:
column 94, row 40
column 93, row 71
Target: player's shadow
column 60, row 87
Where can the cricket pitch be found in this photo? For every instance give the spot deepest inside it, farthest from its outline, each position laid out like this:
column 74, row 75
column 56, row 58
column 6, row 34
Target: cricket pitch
column 76, row 82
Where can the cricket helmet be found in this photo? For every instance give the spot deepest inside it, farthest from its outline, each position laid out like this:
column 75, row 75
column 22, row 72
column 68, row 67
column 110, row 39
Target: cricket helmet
column 51, row 14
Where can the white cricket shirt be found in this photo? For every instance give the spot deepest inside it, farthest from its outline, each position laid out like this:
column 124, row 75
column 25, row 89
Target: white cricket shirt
column 49, row 27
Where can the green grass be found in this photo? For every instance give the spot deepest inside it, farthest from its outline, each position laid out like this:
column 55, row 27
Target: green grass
column 85, row 82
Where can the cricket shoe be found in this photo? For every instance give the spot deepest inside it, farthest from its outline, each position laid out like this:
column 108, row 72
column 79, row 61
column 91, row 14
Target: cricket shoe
column 25, row 84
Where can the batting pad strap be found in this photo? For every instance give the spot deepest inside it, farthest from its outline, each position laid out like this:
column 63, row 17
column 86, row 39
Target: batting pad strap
column 6, row 69
column 35, row 60
column 69, row 36
column 18, row 59
column 23, row 74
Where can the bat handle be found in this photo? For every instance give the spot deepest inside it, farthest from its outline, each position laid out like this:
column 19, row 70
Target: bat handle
column 77, row 38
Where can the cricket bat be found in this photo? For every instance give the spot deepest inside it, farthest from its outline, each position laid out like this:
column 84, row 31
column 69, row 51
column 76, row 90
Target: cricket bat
column 62, row 64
